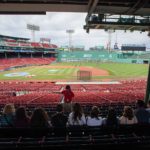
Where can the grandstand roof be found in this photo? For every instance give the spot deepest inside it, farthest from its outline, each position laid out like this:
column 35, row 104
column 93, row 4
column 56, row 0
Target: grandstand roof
column 14, row 38
column 138, row 7
column 111, row 7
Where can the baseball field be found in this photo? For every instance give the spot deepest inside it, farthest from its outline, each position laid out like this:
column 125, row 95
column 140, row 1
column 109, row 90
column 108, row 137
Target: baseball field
column 68, row 71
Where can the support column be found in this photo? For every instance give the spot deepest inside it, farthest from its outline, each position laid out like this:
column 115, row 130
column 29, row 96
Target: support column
column 18, row 55
column 5, row 55
column 148, row 87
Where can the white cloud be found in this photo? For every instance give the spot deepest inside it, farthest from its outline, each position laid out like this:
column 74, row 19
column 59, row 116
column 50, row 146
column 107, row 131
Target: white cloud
column 54, row 26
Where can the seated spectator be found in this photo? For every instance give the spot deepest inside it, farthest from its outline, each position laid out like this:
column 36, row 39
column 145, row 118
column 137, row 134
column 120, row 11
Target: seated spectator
column 141, row 113
column 77, row 117
column 94, row 119
column 59, row 119
column 21, row 118
column 111, row 119
column 7, row 118
column 14, row 94
column 128, row 116
column 148, row 107
column 39, row 119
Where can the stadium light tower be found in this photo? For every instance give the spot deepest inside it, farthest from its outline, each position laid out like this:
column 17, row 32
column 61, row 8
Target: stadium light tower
column 70, row 32
column 109, row 39
column 33, row 28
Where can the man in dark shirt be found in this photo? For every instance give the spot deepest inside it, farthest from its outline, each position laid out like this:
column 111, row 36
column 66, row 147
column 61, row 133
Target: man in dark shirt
column 141, row 113
column 59, row 119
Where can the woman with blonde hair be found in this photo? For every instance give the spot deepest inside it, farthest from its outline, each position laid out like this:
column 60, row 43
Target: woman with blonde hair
column 128, row 116
column 7, row 118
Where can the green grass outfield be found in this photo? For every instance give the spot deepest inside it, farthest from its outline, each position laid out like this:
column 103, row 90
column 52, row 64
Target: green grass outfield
column 116, row 71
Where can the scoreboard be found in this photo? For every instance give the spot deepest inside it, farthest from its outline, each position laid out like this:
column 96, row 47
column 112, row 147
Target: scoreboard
column 133, row 47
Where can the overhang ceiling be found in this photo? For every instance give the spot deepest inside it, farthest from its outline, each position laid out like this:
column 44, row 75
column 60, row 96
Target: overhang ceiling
column 137, row 7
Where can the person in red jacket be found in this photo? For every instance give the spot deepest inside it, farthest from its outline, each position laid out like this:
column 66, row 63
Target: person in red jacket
column 67, row 98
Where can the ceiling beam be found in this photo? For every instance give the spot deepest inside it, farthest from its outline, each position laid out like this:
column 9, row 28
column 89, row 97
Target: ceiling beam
column 92, row 5
column 22, row 7
column 131, row 28
column 97, row 26
column 89, row 4
column 22, row 13
column 139, row 4
column 91, row 8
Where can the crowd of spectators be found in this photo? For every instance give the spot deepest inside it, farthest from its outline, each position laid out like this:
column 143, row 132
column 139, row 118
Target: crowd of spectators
column 39, row 118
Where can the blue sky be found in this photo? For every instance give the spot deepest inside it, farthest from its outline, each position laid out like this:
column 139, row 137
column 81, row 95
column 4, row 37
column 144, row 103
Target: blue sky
column 54, row 26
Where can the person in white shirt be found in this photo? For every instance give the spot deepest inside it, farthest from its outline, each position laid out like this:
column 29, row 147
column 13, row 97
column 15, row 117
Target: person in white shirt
column 128, row 116
column 76, row 117
column 94, row 119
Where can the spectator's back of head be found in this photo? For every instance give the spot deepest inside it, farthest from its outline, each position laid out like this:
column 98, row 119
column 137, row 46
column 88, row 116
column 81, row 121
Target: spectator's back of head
column 9, row 109
column 112, row 117
column 128, row 112
column 95, row 112
column 77, row 107
column 21, row 113
column 59, row 108
column 68, row 87
column 39, row 118
column 141, row 113
column 148, row 104
column 140, row 104
column 77, row 110
column 111, row 113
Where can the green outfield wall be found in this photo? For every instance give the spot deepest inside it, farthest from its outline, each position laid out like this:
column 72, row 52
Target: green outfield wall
column 102, row 56
column 85, row 56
